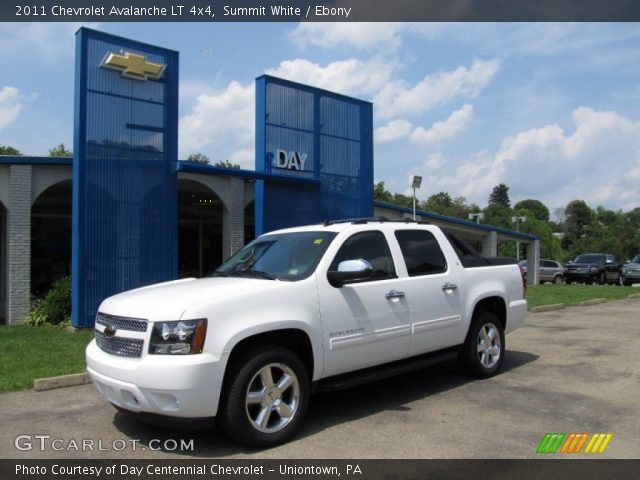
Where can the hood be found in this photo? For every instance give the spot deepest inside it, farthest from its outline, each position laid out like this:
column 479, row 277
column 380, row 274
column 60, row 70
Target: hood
column 582, row 265
column 169, row 300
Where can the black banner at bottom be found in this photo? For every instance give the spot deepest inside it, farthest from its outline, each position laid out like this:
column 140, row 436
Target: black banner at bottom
column 547, row 469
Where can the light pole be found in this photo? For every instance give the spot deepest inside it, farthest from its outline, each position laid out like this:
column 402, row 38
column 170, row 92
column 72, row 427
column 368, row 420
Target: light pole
column 414, row 182
column 517, row 221
column 476, row 217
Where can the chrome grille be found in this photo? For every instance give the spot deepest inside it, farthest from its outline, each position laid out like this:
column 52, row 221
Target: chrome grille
column 120, row 346
column 122, row 323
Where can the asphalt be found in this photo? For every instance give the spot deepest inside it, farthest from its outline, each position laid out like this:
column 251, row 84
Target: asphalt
column 571, row 370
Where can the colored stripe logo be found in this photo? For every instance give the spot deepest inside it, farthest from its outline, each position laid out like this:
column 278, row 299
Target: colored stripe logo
column 574, row 443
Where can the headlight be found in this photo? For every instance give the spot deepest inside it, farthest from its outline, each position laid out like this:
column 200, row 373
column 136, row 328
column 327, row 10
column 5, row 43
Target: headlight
column 178, row 338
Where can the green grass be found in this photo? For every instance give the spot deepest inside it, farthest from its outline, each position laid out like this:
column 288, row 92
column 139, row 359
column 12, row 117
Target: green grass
column 573, row 294
column 27, row 353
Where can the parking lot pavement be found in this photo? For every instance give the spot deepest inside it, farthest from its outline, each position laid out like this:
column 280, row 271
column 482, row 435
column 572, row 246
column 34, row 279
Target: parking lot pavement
column 573, row 370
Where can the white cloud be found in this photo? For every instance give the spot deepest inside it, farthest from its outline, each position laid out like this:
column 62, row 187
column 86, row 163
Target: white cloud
column 350, row 76
column 397, row 98
column 435, row 161
column 361, row 35
column 393, row 130
column 50, row 41
column 598, row 162
column 224, row 119
column 10, row 105
column 244, row 157
column 443, row 130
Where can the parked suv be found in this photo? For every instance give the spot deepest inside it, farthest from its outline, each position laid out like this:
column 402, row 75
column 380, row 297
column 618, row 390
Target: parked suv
column 319, row 307
column 549, row 271
column 591, row 268
column 630, row 272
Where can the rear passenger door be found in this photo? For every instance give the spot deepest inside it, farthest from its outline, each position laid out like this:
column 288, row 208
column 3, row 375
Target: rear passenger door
column 433, row 293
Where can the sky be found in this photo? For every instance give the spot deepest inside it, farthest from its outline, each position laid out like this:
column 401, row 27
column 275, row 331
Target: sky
column 550, row 109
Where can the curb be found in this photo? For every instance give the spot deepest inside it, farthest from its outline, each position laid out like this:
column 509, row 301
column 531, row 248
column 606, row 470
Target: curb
column 547, row 308
column 634, row 295
column 61, row 381
column 593, row 301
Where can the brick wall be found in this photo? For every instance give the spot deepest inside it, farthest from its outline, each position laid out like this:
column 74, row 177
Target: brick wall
column 19, row 244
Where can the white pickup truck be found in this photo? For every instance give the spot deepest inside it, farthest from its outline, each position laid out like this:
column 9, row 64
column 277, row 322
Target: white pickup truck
column 319, row 307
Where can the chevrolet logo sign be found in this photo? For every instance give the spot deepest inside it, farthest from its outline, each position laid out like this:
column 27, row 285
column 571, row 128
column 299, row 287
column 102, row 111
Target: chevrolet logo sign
column 133, row 66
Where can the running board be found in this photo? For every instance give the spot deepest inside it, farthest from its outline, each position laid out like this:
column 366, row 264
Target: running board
column 372, row 374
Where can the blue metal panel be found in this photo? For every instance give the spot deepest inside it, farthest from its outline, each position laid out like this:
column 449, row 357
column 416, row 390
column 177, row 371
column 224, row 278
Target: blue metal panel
column 332, row 133
column 124, row 186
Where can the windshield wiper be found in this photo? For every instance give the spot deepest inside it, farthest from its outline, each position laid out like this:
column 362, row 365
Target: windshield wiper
column 253, row 273
column 219, row 274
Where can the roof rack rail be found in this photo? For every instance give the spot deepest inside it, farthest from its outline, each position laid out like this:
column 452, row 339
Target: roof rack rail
column 363, row 220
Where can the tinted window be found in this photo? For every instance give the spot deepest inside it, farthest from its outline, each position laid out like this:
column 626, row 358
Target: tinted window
column 547, row 264
column 421, row 252
column 285, row 256
column 369, row 246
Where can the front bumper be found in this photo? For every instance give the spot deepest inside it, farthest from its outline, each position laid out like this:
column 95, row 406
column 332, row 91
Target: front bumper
column 178, row 386
column 581, row 276
column 631, row 276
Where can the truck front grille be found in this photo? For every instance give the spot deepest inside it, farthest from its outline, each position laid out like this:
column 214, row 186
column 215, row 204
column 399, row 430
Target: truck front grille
column 122, row 323
column 120, row 346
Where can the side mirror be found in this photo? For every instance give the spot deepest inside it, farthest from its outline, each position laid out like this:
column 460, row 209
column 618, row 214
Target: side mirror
column 348, row 271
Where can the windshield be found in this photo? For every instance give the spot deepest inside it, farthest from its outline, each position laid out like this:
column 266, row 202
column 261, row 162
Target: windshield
column 636, row 259
column 588, row 259
column 285, row 256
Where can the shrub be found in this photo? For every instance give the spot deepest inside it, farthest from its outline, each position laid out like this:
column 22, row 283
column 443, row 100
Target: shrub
column 55, row 307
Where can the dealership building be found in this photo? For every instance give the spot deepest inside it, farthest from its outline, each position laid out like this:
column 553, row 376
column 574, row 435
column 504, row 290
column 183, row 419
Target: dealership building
column 124, row 212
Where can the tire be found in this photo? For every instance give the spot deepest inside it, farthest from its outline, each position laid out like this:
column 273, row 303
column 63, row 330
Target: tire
column 558, row 280
column 622, row 282
column 483, row 350
column 602, row 279
column 265, row 397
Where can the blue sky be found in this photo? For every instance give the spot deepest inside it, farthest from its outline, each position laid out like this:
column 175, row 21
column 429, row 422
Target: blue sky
column 550, row 109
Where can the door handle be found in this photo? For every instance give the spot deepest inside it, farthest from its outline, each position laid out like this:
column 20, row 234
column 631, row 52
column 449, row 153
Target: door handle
column 449, row 286
column 394, row 294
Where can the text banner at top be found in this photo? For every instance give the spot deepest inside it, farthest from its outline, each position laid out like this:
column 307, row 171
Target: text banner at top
column 319, row 11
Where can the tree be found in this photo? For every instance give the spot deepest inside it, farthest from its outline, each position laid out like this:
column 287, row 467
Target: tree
column 578, row 221
column 500, row 196
column 198, row 158
column 60, row 151
column 7, row 150
column 535, row 207
column 380, row 194
column 227, row 164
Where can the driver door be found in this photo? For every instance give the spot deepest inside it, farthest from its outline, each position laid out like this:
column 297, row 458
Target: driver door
column 366, row 322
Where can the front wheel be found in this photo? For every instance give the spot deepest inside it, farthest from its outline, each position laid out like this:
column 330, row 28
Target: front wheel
column 265, row 397
column 558, row 280
column 623, row 282
column 602, row 278
column 483, row 350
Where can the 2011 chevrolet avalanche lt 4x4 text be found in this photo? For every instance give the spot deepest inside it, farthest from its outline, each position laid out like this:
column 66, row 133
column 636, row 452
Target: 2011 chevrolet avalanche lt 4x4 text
column 318, row 307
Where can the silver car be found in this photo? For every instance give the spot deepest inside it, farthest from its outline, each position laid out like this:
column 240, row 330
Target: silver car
column 549, row 271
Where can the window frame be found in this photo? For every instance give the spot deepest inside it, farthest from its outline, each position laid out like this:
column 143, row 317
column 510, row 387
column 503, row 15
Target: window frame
column 426, row 233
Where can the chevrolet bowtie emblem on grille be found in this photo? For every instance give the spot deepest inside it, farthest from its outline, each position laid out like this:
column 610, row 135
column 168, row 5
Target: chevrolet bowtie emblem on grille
column 133, row 66
column 109, row 331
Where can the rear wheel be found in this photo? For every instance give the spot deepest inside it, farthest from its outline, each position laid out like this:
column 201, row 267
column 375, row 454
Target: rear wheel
column 265, row 397
column 483, row 351
column 558, row 280
column 623, row 282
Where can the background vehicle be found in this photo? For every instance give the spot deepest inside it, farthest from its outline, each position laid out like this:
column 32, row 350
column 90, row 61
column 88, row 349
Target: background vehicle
column 591, row 268
column 329, row 306
column 549, row 271
column 630, row 272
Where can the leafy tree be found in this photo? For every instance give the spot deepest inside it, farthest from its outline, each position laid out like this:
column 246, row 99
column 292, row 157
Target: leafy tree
column 60, row 151
column 198, row 158
column 7, row 150
column 500, row 196
column 578, row 220
column 536, row 208
column 499, row 215
column 227, row 164
column 380, row 194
